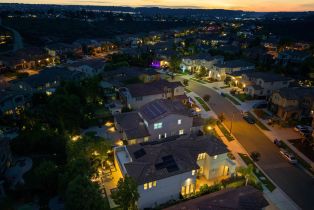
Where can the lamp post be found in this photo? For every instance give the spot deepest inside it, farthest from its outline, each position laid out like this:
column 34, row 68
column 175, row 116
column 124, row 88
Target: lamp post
column 231, row 122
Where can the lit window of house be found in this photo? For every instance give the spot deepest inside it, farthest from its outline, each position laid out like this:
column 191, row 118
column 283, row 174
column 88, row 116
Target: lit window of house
column 150, row 185
column 181, row 132
column 145, row 139
column 201, row 156
column 193, row 172
column 157, row 126
column 215, row 157
column 179, row 122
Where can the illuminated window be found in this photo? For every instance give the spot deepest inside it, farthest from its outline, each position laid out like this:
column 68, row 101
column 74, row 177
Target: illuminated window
column 150, row 185
column 215, row 157
column 145, row 139
column 193, row 172
column 201, row 156
column 157, row 126
column 181, row 132
column 154, row 183
column 145, row 186
column 179, row 122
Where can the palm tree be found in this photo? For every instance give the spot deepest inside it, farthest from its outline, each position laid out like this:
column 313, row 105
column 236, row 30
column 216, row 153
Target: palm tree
column 247, row 173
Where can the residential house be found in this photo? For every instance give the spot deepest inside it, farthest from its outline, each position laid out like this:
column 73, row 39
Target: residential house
column 26, row 58
column 90, row 67
column 234, row 65
column 149, row 75
column 195, row 63
column 136, row 95
column 158, row 119
column 262, row 84
column 292, row 56
column 164, row 170
column 61, row 50
column 48, row 79
column 14, row 99
column 293, row 103
column 241, row 198
column 122, row 75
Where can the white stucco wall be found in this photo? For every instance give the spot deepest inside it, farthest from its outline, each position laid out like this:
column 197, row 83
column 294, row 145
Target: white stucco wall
column 165, row 190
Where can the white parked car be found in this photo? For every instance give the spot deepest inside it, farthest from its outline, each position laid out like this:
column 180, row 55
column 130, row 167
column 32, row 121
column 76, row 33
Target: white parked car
column 302, row 128
column 290, row 157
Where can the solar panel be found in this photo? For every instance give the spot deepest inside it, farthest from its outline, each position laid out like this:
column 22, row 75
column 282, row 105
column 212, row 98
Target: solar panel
column 169, row 163
column 139, row 153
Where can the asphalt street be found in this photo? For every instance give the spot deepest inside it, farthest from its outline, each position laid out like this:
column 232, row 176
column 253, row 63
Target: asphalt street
column 295, row 182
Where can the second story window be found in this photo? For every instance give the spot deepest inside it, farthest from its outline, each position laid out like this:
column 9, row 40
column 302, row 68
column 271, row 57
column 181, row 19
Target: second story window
column 201, row 156
column 157, row 126
column 179, row 122
column 150, row 185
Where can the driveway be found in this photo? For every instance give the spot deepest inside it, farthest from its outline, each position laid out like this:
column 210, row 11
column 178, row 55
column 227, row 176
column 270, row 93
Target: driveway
column 297, row 184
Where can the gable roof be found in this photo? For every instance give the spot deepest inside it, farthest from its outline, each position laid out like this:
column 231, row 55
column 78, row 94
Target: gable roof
column 267, row 76
column 157, row 160
column 235, row 64
column 296, row 93
column 152, row 88
column 161, row 108
column 132, row 125
column 243, row 198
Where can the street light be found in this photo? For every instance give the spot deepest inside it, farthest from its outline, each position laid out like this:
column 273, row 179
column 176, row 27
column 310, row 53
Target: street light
column 231, row 122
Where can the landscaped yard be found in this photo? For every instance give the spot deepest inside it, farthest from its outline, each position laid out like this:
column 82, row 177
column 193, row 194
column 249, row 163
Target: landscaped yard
column 198, row 80
column 225, row 132
column 203, row 103
column 233, row 100
column 242, row 97
column 260, row 175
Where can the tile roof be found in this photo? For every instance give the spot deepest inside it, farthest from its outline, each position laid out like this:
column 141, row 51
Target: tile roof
column 235, row 64
column 157, row 160
column 296, row 93
column 243, row 198
column 161, row 108
column 152, row 88
column 267, row 76
column 132, row 124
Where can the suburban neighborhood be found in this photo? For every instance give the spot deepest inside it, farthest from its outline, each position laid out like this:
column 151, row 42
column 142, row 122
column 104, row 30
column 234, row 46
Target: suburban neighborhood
column 197, row 109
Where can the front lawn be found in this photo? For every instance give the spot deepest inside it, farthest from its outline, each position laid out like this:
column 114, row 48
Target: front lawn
column 225, row 132
column 243, row 97
column 233, row 100
column 203, row 103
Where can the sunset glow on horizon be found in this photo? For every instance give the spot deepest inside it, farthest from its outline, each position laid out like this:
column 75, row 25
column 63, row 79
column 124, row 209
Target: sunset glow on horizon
column 247, row 5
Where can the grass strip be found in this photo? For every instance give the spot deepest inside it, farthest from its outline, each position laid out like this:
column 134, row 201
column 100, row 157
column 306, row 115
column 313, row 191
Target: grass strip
column 260, row 175
column 202, row 102
column 226, row 133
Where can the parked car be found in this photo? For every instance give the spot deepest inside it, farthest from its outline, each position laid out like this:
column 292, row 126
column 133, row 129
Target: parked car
column 249, row 119
column 305, row 133
column 300, row 128
column 261, row 105
column 290, row 157
column 278, row 143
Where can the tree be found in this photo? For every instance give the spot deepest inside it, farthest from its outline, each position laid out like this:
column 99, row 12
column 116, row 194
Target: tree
column 45, row 176
column 221, row 117
column 126, row 194
column 83, row 194
column 247, row 173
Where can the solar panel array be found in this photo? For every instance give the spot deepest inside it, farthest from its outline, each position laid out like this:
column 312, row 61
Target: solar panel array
column 168, row 163
column 139, row 153
column 154, row 110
